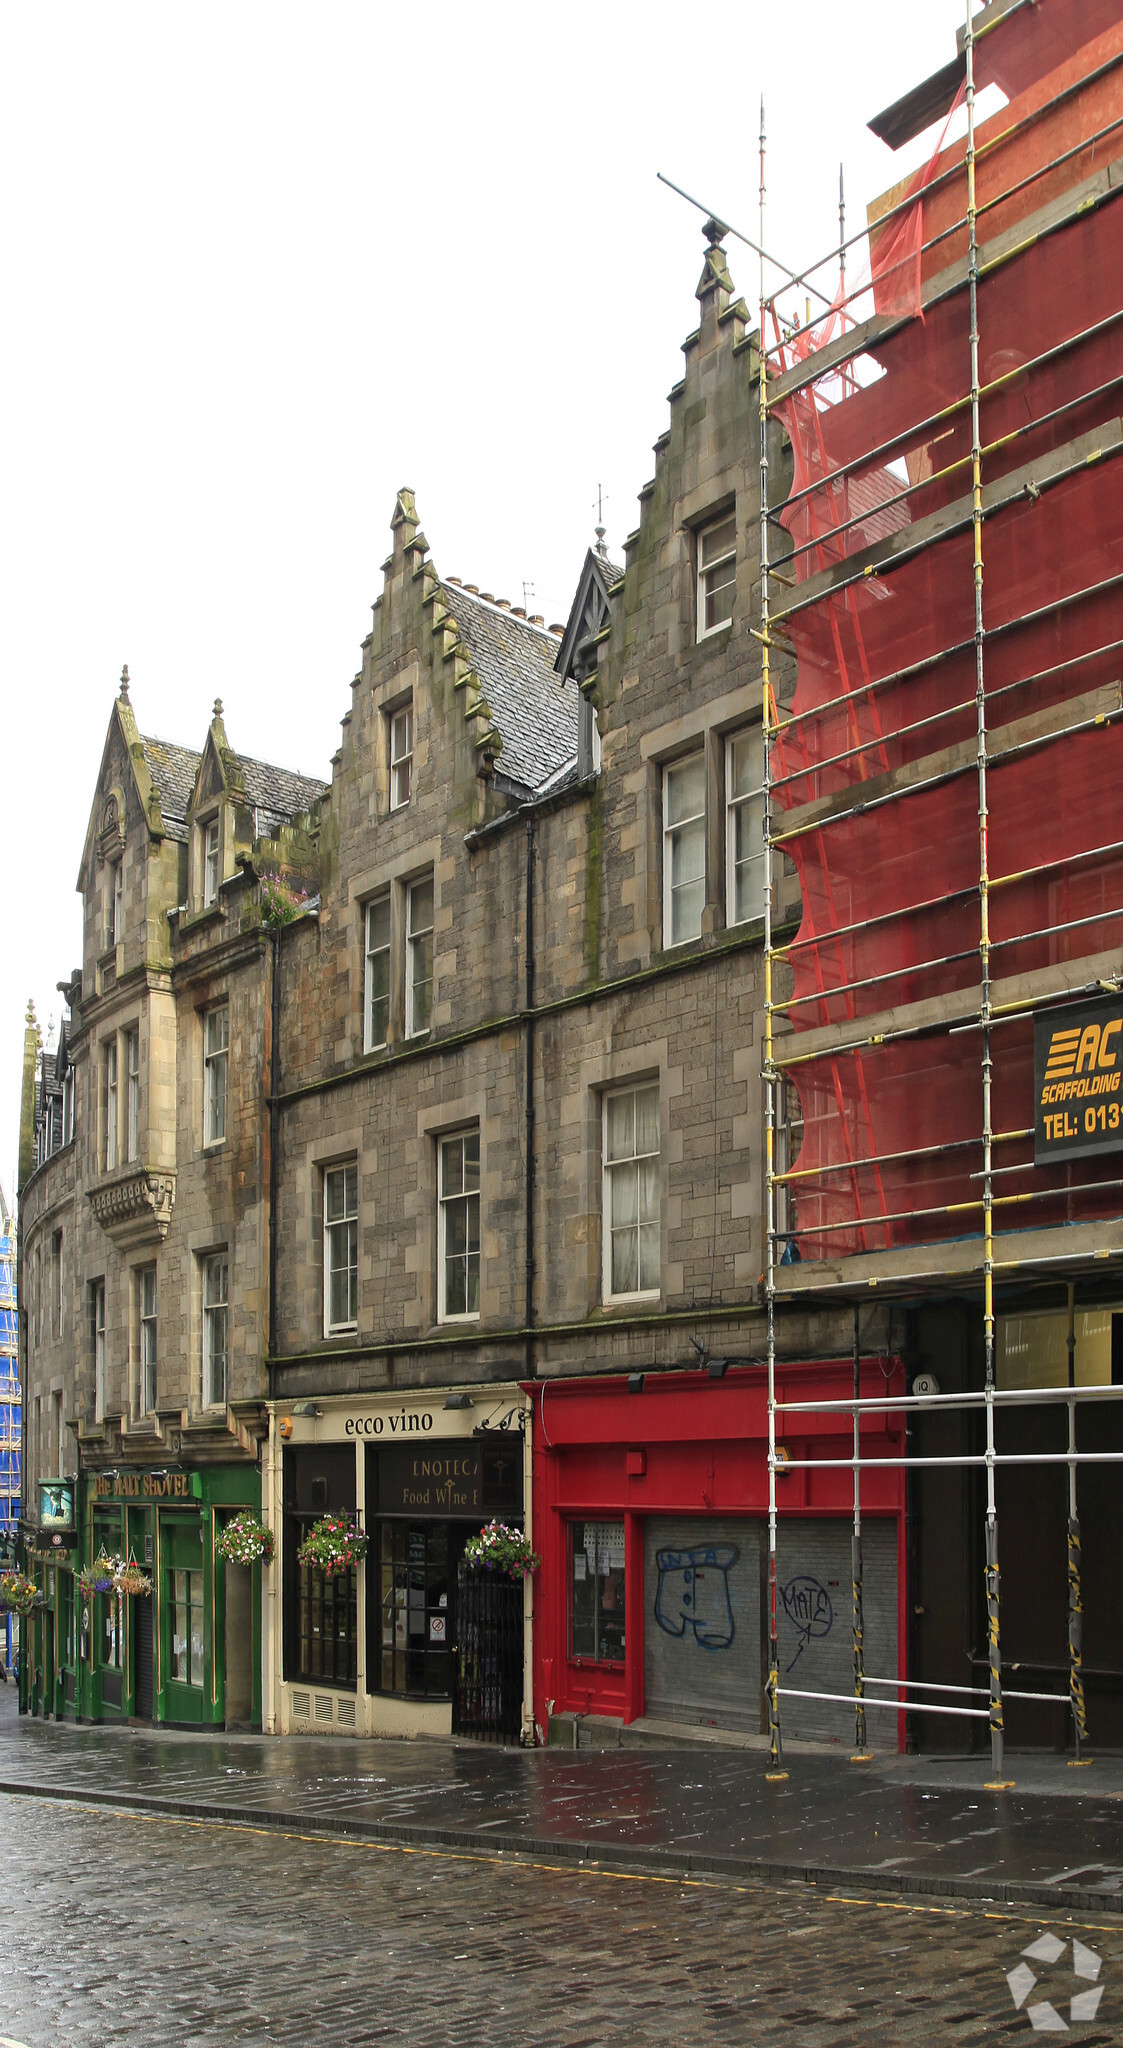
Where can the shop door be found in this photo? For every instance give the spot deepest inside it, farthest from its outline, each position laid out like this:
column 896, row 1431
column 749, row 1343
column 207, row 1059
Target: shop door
column 239, row 1645
column 816, row 1623
column 489, row 1656
column 48, row 1662
column 702, row 1644
column 141, row 1619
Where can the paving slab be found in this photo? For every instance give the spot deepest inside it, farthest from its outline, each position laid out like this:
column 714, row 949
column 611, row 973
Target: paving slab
column 899, row 1824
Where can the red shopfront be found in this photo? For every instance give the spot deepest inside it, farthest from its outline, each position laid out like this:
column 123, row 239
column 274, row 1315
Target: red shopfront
column 651, row 1517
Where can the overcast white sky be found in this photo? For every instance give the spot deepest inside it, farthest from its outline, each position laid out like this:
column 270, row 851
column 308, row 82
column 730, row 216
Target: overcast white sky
column 262, row 265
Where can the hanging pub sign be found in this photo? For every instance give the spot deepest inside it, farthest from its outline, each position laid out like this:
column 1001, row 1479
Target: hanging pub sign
column 56, row 1506
column 1078, row 1081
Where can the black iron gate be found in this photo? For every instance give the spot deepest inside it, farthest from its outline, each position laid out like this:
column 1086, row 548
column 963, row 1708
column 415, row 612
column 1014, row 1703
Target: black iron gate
column 489, row 1656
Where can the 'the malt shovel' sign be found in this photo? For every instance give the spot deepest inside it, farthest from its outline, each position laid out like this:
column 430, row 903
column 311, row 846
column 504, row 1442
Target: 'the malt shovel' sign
column 1078, row 1081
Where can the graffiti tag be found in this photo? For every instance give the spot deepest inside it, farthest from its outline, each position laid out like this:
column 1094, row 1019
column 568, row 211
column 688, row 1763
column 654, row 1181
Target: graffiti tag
column 807, row 1605
column 693, row 1593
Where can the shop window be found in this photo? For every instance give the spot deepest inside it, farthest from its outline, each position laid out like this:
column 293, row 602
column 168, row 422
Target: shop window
column 596, row 1592
column 216, row 1289
column 216, row 1057
column 146, row 1304
column 64, row 1606
column 320, row 1615
column 377, row 972
column 417, row 1586
column 458, row 1226
column 1032, row 1350
column 112, row 1631
column 684, row 849
column 631, row 1192
column 185, row 1627
column 717, row 574
column 401, row 756
column 419, row 956
column 746, row 866
column 341, row 1249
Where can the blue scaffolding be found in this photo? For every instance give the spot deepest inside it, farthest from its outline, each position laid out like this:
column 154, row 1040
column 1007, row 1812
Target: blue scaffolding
column 10, row 1409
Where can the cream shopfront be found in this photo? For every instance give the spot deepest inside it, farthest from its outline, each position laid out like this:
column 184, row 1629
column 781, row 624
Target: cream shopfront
column 373, row 1651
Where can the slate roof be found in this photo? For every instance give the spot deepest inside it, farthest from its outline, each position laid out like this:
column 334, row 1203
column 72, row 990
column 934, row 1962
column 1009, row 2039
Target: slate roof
column 535, row 713
column 173, row 770
column 276, row 793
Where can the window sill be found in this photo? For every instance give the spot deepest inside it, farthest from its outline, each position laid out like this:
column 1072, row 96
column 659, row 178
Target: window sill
column 712, row 632
column 457, row 1322
column 650, row 1299
column 203, row 913
column 341, row 1330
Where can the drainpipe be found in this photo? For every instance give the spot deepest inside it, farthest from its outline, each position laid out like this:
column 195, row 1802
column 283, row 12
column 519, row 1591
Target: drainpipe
column 274, row 1135
column 528, row 1005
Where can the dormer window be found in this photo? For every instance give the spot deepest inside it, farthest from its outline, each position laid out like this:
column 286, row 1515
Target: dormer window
column 717, row 574
column 211, row 838
column 401, row 756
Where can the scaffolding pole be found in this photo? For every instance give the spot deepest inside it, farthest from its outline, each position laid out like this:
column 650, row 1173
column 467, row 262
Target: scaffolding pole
column 775, row 1740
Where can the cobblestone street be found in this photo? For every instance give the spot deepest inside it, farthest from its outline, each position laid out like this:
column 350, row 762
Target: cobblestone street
column 144, row 1930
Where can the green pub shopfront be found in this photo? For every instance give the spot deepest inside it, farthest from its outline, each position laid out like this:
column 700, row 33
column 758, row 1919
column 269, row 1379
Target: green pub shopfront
column 188, row 1652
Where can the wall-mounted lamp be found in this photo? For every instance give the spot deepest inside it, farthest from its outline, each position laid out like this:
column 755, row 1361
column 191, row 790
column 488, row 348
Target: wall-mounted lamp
column 635, row 1382
column 717, row 1367
column 308, row 1408
column 458, row 1400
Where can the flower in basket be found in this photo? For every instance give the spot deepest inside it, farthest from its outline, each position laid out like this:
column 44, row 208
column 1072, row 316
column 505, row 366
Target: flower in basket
column 100, row 1576
column 18, row 1594
column 131, row 1579
column 500, row 1549
column 245, row 1539
column 334, row 1544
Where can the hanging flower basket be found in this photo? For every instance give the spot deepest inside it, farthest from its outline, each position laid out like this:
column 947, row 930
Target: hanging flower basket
column 334, row 1544
column 18, row 1594
column 244, row 1540
column 500, row 1549
column 100, row 1576
column 130, row 1579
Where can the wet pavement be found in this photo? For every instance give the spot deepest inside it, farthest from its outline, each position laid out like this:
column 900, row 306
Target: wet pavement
column 140, row 1930
column 901, row 1825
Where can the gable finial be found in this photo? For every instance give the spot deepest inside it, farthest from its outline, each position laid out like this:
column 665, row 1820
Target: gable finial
column 125, row 684
column 600, row 528
column 218, row 707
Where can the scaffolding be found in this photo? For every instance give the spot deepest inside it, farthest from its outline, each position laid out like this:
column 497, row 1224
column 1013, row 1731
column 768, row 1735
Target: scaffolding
column 10, row 1408
column 943, row 576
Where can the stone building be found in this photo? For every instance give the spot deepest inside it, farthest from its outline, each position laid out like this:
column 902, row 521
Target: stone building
column 485, row 1216
column 520, row 1114
column 143, row 1239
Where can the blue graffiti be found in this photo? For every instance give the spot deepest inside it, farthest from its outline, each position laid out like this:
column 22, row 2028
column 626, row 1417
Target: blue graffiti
column 694, row 1593
column 807, row 1605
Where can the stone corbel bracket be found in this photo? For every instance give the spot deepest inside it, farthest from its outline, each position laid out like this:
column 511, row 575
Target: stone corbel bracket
column 136, row 1208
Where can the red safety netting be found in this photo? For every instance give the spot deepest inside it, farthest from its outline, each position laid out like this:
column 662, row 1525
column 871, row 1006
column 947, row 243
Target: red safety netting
column 881, row 617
